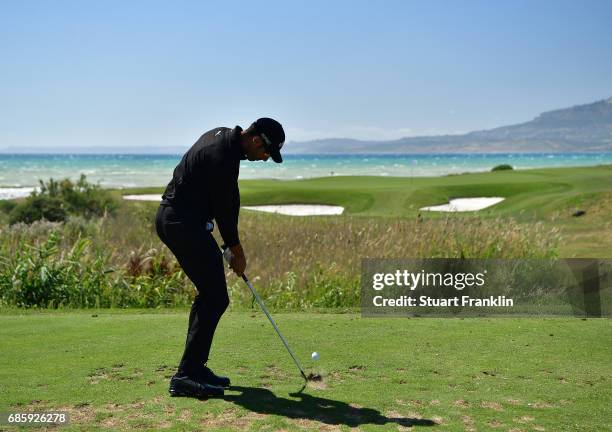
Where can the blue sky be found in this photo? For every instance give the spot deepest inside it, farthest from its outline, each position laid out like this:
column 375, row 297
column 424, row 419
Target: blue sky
column 161, row 73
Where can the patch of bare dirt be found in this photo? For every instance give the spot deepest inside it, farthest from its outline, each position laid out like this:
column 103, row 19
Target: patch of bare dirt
column 276, row 373
column 468, row 422
column 185, row 415
column 316, row 425
column 461, row 403
column 491, row 405
column 231, row 418
column 523, row 419
column 317, row 385
column 495, row 423
column 540, row 404
column 114, row 415
column 164, row 424
column 393, row 414
column 438, row 420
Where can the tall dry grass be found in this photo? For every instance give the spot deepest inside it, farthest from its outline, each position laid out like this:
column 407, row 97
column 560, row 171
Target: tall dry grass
column 320, row 257
column 295, row 262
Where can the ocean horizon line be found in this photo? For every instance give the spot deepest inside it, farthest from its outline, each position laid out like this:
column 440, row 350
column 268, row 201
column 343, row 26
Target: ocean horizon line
column 141, row 170
column 331, row 154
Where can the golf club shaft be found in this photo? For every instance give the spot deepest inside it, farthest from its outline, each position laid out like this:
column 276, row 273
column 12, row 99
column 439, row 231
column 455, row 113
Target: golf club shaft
column 227, row 255
column 263, row 308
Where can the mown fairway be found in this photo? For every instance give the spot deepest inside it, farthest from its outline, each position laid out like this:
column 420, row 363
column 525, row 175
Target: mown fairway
column 548, row 195
column 110, row 370
column 531, row 193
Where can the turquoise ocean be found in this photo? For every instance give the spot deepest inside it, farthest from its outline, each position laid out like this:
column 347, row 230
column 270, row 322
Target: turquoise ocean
column 20, row 172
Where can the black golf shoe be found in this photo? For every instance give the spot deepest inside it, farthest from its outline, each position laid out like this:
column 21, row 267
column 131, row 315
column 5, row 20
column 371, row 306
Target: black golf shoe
column 206, row 376
column 188, row 387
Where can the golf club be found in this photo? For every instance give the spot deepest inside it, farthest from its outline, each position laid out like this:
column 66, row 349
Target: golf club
column 227, row 254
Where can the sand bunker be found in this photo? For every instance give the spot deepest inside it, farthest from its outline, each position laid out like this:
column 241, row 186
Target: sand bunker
column 145, row 197
column 289, row 209
column 465, row 204
column 299, row 209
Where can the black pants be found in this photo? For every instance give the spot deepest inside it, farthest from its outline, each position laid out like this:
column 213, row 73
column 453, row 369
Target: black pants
column 200, row 257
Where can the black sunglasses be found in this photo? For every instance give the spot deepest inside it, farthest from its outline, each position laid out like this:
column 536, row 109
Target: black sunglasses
column 268, row 144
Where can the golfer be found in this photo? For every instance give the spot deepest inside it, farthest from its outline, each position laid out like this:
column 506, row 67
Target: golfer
column 204, row 187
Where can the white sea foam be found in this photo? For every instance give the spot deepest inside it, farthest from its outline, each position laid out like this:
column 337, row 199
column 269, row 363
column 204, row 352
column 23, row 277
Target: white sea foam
column 15, row 192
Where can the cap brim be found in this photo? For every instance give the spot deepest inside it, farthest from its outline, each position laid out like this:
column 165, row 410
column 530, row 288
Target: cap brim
column 276, row 156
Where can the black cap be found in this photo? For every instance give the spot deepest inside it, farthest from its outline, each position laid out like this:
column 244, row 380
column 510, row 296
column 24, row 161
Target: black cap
column 273, row 136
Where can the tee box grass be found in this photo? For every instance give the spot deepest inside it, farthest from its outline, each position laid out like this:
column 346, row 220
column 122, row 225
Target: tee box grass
column 109, row 370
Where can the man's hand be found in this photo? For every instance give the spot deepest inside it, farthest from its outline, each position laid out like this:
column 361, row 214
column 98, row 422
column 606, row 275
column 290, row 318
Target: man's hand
column 238, row 262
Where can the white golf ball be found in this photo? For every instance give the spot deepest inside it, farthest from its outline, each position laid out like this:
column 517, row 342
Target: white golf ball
column 315, row 355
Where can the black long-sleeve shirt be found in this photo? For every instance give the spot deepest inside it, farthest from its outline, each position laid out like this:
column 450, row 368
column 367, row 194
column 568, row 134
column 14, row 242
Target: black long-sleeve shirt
column 204, row 184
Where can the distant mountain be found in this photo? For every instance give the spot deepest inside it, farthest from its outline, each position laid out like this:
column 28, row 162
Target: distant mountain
column 582, row 128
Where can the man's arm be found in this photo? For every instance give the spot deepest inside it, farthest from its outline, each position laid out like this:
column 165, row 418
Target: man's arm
column 226, row 206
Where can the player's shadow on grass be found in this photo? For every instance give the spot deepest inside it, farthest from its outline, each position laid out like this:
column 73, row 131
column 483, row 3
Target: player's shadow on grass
column 309, row 407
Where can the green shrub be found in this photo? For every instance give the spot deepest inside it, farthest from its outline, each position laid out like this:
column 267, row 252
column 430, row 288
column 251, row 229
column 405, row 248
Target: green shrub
column 56, row 200
column 38, row 268
column 84, row 198
column 37, row 207
column 7, row 205
column 502, row 167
